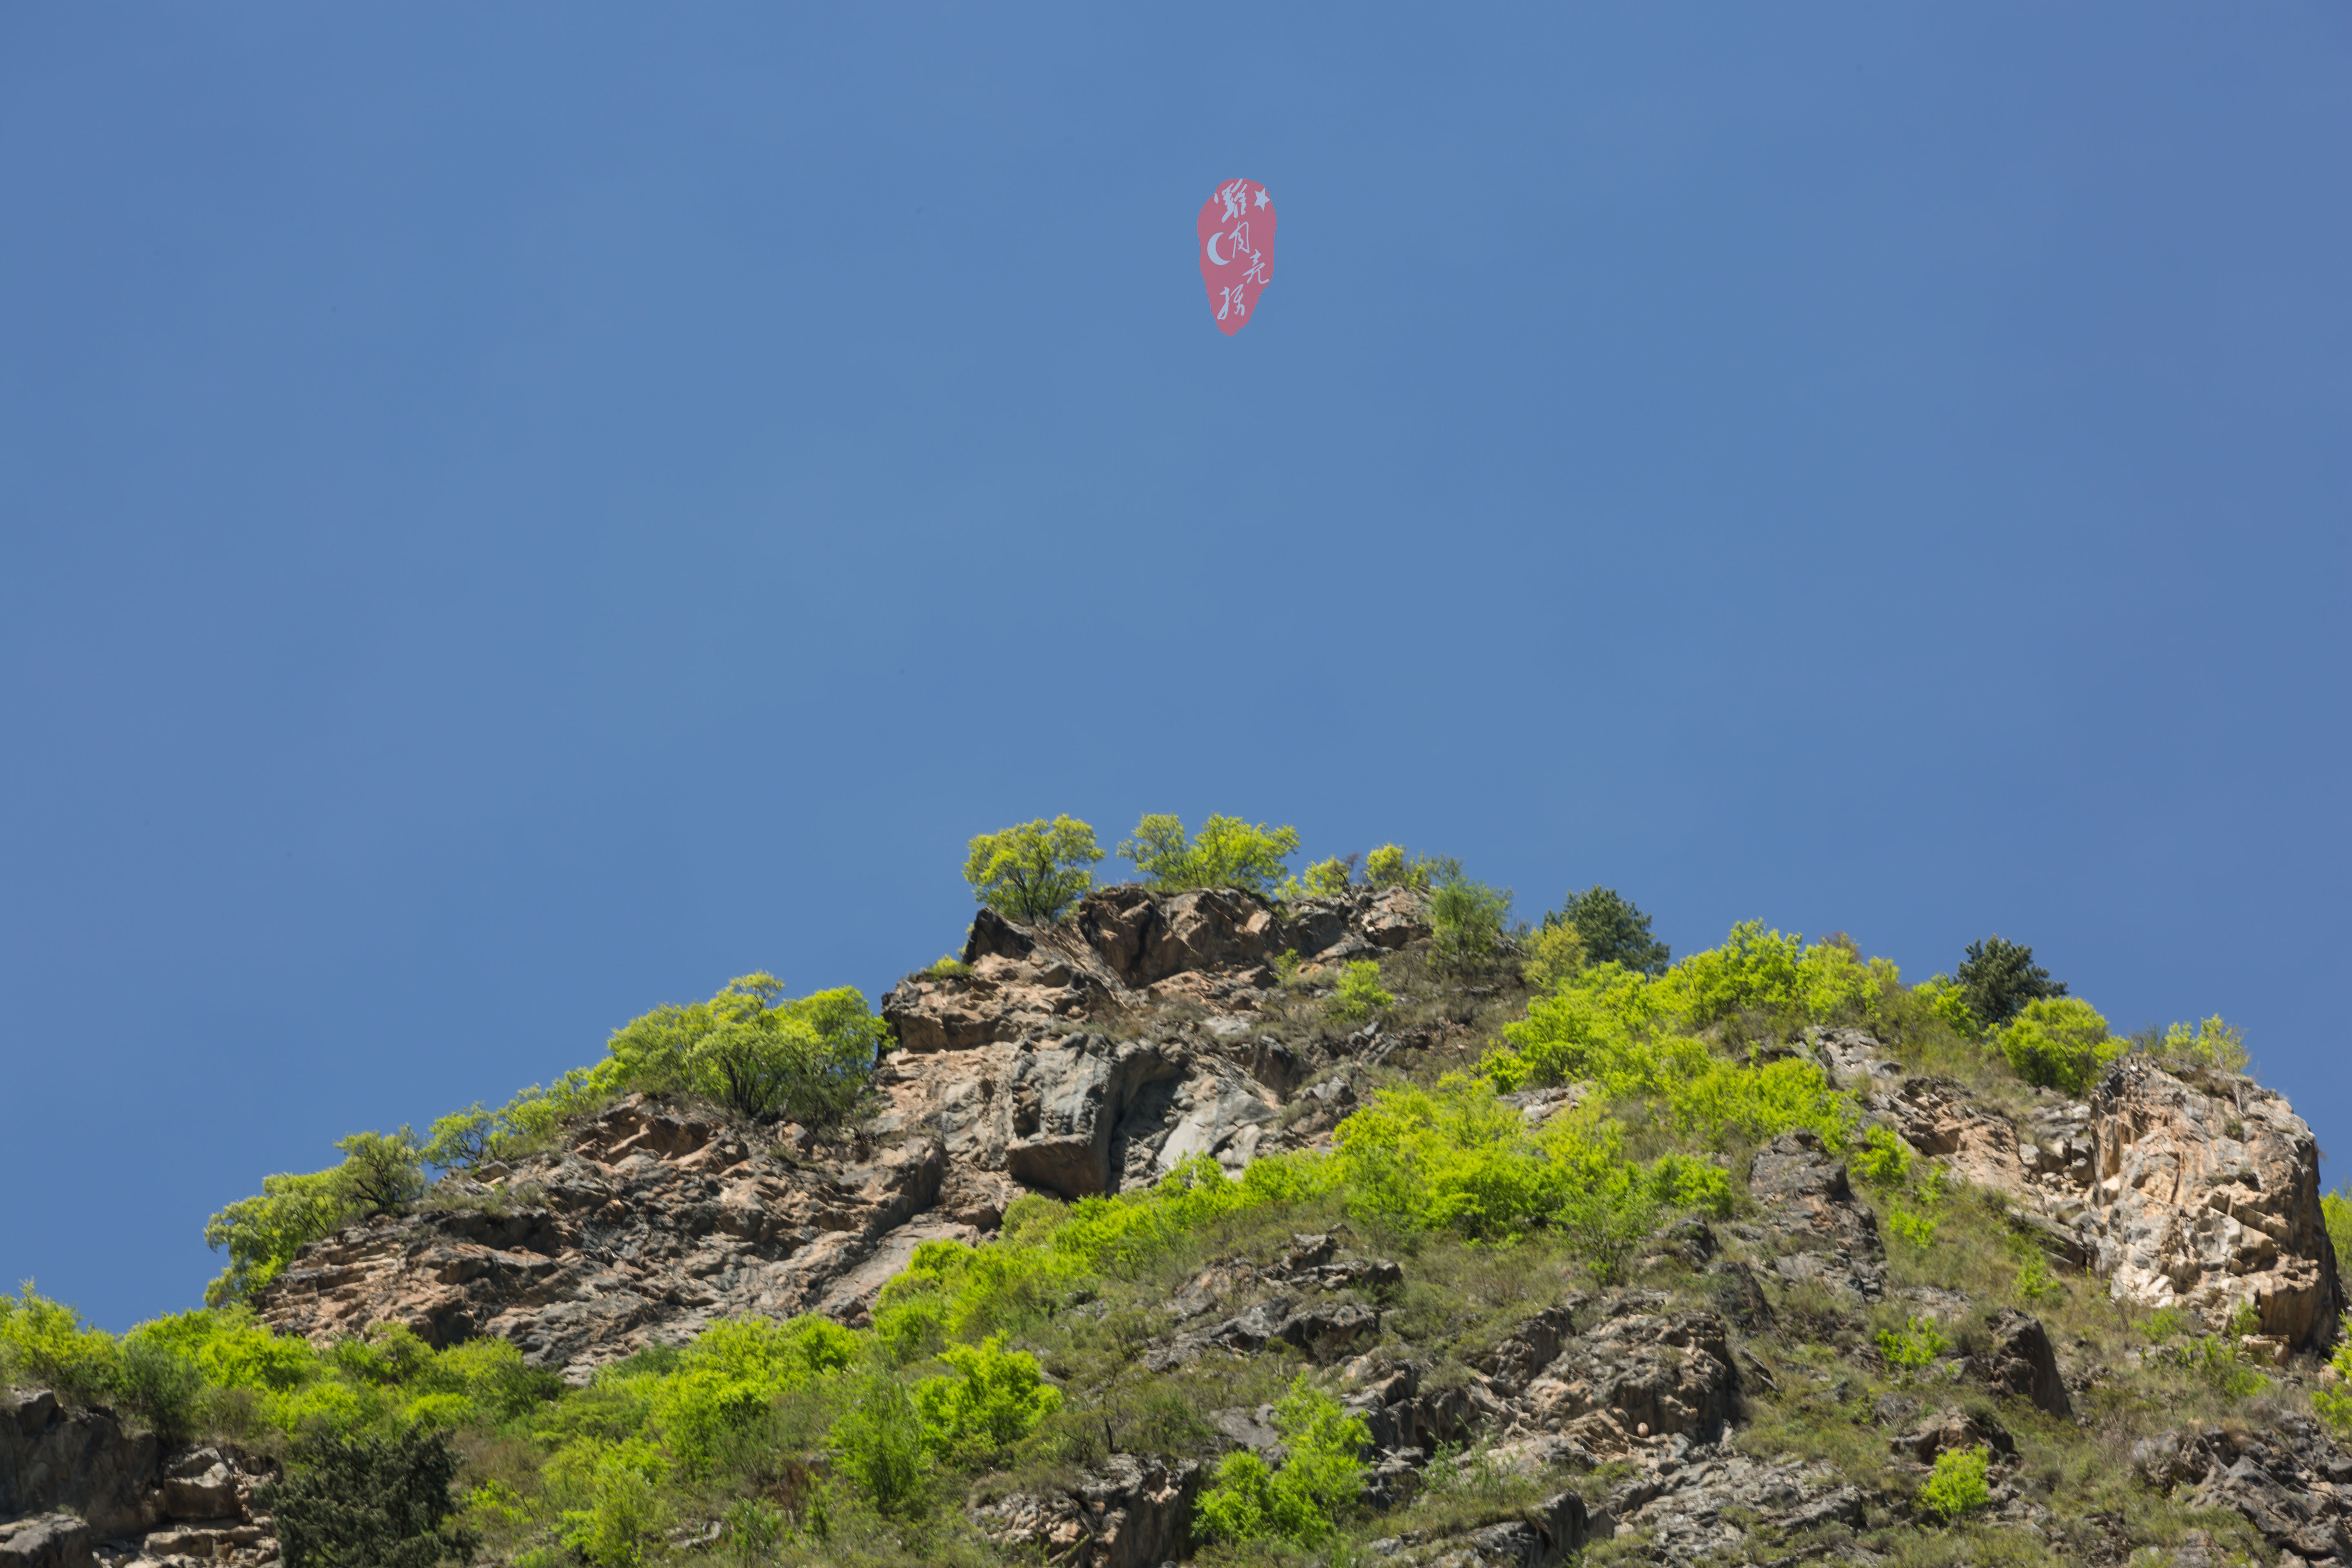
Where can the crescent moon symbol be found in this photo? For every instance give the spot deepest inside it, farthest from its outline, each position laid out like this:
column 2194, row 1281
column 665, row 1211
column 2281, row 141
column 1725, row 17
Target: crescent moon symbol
column 1220, row 260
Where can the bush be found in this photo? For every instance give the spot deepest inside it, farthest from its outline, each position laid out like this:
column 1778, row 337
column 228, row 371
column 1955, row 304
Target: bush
column 160, row 1386
column 1324, row 879
column 1555, row 955
column 1915, row 1345
column 1883, row 1160
column 1918, row 1230
column 995, row 1399
column 1949, row 1003
column 2332, row 1398
column 1997, row 978
column 1612, row 929
column 263, row 1233
column 1033, row 872
column 757, row 1052
column 2336, row 1213
column 382, row 1172
column 462, row 1139
column 879, row 1444
column 1359, row 995
column 2212, row 1045
column 1957, row 1485
column 368, row 1503
column 1469, row 918
column 2059, row 1043
column 47, row 1342
column 1297, row 1504
column 1390, row 867
column 1226, row 853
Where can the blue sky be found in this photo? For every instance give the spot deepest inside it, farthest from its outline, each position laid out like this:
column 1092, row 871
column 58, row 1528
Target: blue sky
column 512, row 515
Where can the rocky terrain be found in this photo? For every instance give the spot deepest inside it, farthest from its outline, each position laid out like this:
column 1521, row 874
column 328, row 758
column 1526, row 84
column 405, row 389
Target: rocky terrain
column 1714, row 1405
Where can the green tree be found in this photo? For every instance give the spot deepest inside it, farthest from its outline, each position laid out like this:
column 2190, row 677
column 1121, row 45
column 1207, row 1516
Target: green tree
column 383, row 1172
column 757, row 1052
column 462, row 1139
column 1227, row 852
column 1033, row 872
column 1359, row 995
column 1468, row 919
column 1615, row 931
column 1325, row 880
column 1999, row 977
column 263, row 1233
column 1321, row 1475
column 368, row 1503
column 2059, row 1043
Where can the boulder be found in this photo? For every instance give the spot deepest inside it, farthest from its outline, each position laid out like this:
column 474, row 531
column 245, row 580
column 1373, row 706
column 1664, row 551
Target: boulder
column 1653, row 1375
column 45, row 1541
column 1951, row 1431
column 1128, row 1513
column 53, row 1458
column 2019, row 1362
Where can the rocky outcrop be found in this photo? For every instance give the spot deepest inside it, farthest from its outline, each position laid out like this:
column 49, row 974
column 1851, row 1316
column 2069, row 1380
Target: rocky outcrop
column 1128, row 1513
column 78, row 1490
column 2290, row 1481
column 1820, row 1234
column 647, row 1224
column 2198, row 1192
column 1030, row 1073
column 2021, row 1364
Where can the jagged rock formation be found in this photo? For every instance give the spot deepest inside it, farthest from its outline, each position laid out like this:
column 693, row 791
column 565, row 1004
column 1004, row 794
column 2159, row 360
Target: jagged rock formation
column 79, row 1490
column 649, row 1222
column 2201, row 1195
column 2292, row 1483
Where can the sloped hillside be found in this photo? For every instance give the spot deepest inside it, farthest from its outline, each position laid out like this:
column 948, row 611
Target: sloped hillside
column 1345, row 1227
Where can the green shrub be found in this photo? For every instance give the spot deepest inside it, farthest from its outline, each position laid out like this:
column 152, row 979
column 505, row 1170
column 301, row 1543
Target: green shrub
column 879, row 1444
column 1917, row 1229
column 368, row 1503
column 1997, row 978
column 2336, row 1213
column 2033, row 1280
column 1297, row 1504
column 996, row 1398
column 620, row 1514
column 2212, row 1045
column 1390, row 867
column 2059, row 1043
column 948, row 966
column 757, row 1052
column 263, row 1233
column 462, row 1139
column 1468, row 919
column 1915, row 1345
column 1881, row 1159
column 1949, row 1003
column 2333, row 1397
column 1226, row 853
column 47, row 1342
column 1033, row 872
column 1957, row 1484
column 1556, row 954
column 1777, row 977
column 1324, row 879
column 1612, row 929
column 1359, row 995
column 383, row 1172
column 161, row 1387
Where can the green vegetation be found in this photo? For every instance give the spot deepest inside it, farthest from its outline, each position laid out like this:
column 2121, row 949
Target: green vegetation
column 1469, row 920
column 1390, row 865
column 1612, row 929
column 370, row 1502
column 1957, row 1485
column 756, row 1052
column 1033, row 872
column 1227, row 852
column 1324, row 879
column 1299, row 1504
column 1914, row 1346
column 2211, row 1047
column 1997, row 978
column 1555, row 953
column 2059, row 1043
column 1359, row 995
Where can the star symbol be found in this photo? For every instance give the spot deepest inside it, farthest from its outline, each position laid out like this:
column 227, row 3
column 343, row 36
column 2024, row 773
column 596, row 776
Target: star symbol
column 1260, row 195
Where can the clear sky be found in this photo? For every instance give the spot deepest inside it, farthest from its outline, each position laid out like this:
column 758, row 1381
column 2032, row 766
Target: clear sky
column 509, row 515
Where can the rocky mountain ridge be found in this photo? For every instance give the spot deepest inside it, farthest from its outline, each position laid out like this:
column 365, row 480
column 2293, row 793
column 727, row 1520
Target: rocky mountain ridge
column 1094, row 1056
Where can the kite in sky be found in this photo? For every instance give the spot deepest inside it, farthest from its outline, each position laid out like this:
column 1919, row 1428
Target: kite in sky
column 1236, row 250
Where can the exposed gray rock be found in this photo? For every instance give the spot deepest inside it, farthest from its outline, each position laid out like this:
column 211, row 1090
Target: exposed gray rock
column 1823, row 1233
column 2021, row 1362
column 1129, row 1512
column 45, row 1541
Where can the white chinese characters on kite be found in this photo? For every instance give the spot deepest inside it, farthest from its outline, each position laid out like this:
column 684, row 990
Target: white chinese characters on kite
column 1236, row 234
